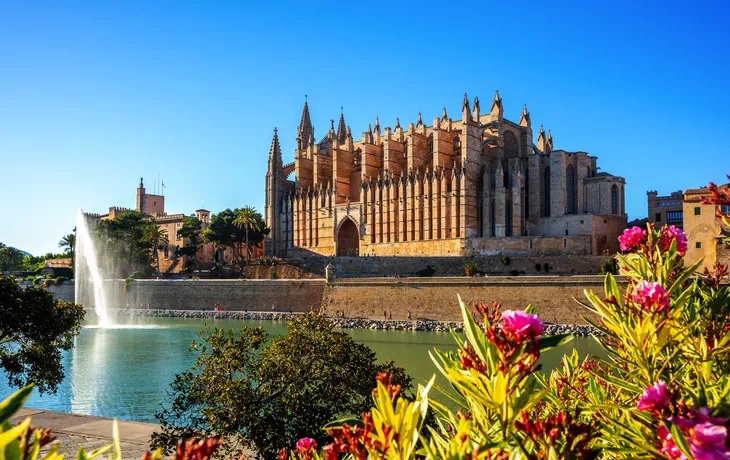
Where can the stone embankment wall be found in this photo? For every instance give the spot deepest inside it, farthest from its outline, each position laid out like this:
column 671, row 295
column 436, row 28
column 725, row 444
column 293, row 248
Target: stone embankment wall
column 437, row 298
column 426, row 298
column 262, row 295
column 348, row 267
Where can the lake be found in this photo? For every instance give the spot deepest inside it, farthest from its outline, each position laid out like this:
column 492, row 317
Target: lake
column 125, row 372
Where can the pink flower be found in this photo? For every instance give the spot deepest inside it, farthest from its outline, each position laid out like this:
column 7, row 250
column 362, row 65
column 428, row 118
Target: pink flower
column 522, row 325
column 670, row 234
column 654, row 397
column 306, row 445
column 651, row 295
column 668, row 445
column 632, row 238
column 707, row 442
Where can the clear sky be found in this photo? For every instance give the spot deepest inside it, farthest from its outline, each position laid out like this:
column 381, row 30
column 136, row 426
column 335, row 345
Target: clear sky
column 95, row 95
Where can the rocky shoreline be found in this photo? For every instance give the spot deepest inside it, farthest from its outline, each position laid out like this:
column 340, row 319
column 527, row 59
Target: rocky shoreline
column 343, row 323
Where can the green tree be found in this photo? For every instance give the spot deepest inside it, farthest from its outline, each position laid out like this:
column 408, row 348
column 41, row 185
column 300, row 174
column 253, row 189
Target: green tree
column 125, row 237
column 34, row 330
column 190, row 232
column 157, row 238
column 68, row 243
column 10, row 258
column 224, row 233
column 266, row 397
column 248, row 219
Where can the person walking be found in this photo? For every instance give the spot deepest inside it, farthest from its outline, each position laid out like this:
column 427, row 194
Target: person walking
column 409, row 315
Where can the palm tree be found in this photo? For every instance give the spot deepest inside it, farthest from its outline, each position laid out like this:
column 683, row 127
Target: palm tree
column 68, row 243
column 247, row 218
column 11, row 256
column 157, row 237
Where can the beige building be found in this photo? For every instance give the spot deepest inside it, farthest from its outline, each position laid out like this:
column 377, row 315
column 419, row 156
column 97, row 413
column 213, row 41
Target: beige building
column 705, row 230
column 154, row 207
column 479, row 185
column 665, row 209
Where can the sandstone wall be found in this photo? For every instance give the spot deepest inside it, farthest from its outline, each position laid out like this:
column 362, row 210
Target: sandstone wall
column 437, row 298
column 283, row 295
column 347, row 267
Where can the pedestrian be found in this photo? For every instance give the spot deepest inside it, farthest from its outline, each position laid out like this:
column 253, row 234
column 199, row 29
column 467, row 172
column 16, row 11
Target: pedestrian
column 390, row 315
column 409, row 315
column 385, row 315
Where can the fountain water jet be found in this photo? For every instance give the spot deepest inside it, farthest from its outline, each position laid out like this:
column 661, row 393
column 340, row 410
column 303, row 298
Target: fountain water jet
column 87, row 273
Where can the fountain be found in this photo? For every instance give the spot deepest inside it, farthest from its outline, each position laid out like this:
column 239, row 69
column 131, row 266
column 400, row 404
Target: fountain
column 87, row 278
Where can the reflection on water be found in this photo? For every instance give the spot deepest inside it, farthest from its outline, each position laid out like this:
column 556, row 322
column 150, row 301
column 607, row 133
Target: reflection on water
column 125, row 371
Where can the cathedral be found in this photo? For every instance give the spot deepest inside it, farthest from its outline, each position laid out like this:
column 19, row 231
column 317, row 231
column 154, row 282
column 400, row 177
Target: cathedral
column 479, row 185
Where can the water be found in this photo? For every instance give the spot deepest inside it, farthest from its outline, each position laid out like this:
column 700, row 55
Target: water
column 124, row 371
column 87, row 273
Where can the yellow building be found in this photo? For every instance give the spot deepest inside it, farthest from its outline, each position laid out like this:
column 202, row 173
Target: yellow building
column 705, row 230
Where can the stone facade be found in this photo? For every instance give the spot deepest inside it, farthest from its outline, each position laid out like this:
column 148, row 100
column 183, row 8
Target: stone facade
column 665, row 209
column 455, row 187
column 705, row 230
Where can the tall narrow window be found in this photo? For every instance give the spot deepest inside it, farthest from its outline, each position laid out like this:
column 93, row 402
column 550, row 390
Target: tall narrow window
column 527, row 193
column 614, row 200
column 508, row 219
column 457, row 144
column 430, row 143
column 570, row 190
column 546, row 192
column 494, row 219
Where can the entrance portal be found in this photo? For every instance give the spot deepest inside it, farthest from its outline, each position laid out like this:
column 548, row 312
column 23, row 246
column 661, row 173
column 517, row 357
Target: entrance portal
column 348, row 239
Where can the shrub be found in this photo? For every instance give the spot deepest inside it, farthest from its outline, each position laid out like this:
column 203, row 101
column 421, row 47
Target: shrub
column 662, row 392
column 546, row 267
column 47, row 282
column 609, row 266
column 506, row 260
column 471, row 269
column 538, row 267
column 270, row 393
column 58, row 281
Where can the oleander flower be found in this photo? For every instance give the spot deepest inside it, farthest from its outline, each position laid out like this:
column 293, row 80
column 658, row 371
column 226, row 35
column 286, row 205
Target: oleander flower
column 651, row 295
column 522, row 325
column 306, row 445
column 671, row 233
column 707, row 442
column 668, row 445
column 654, row 397
column 632, row 238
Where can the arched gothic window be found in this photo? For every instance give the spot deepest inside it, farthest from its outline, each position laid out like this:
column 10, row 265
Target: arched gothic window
column 570, row 190
column 508, row 219
column 546, row 191
column 430, row 143
column 456, row 143
column 614, row 199
column 511, row 146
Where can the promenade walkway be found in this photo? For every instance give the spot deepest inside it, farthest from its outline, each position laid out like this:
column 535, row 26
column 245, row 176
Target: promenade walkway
column 75, row 431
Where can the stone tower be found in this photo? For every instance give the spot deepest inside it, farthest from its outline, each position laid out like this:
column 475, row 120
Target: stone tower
column 275, row 193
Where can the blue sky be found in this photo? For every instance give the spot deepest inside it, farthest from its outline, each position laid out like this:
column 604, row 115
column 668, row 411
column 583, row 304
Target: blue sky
column 94, row 95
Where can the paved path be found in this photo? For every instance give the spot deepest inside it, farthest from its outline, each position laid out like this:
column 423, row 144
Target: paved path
column 74, row 431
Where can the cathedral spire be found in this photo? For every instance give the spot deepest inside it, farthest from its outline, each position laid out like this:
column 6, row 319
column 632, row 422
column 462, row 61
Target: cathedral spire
column 341, row 129
column 377, row 125
column 305, row 135
column 541, row 141
column 275, row 150
column 443, row 115
column 550, row 140
column 420, row 120
column 397, row 123
column 466, row 109
column 476, row 108
column 497, row 105
column 525, row 117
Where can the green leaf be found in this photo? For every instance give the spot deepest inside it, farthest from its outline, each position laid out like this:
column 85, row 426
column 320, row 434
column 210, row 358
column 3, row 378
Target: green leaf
column 14, row 433
column 14, row 403
column 351, row 421
column 552, row 341
column 680, row 440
